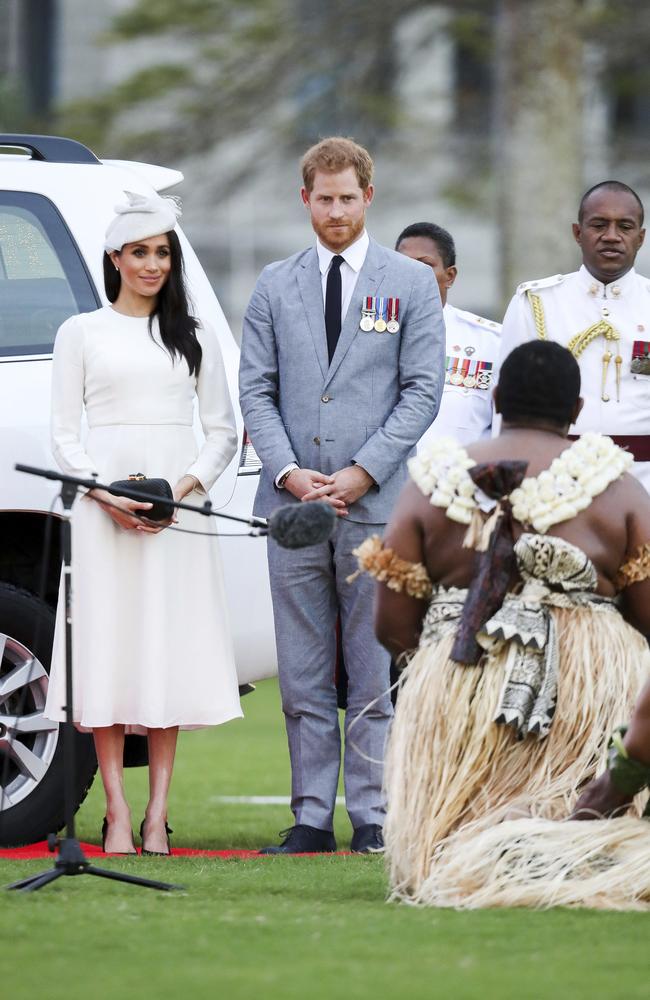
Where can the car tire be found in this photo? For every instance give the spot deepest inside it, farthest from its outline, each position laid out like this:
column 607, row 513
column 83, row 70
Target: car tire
column 31, row 749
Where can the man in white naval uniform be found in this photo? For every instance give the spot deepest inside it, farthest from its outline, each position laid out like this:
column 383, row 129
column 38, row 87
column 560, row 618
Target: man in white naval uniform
column 602, row 314
column 472, row 343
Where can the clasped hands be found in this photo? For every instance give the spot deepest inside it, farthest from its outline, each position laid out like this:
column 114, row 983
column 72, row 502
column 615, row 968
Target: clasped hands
column 131, row 514
column 341, row 489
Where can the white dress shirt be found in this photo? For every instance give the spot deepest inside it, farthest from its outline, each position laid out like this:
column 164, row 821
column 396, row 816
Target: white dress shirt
column 354, row 258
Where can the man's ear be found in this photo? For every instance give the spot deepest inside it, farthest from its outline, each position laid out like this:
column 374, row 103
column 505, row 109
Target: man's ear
column 577, row 233
column 577, row 409
column 451, row 273
column 304, row 194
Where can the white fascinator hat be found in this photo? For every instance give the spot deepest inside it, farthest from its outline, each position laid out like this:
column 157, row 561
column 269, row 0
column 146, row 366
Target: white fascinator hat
column 140, row 218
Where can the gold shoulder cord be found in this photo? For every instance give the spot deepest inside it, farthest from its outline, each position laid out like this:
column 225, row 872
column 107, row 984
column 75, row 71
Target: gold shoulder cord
column 538, row 314
column 581, row 341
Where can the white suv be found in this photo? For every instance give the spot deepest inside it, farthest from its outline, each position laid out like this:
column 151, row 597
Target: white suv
column 56, row 199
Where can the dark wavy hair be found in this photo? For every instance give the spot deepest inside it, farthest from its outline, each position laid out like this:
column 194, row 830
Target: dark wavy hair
column 177, row 326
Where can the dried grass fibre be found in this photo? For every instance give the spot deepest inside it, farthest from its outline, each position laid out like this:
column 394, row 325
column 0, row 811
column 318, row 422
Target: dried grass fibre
column 452, row 774
column 602, row 865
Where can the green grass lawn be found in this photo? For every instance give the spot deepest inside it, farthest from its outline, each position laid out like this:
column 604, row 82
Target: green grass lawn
column 281, row 927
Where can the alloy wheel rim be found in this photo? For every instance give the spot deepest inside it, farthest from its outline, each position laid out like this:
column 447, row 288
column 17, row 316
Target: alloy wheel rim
column 28, row 740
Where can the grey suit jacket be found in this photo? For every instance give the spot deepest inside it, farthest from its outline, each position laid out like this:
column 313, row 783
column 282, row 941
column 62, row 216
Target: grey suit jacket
column 369, row 406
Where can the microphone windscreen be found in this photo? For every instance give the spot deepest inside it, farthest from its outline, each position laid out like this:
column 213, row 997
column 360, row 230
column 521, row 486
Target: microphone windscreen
column 299, row 525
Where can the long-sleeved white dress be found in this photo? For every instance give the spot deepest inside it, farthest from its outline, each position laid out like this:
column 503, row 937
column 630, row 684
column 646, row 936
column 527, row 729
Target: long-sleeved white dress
column 151, row 639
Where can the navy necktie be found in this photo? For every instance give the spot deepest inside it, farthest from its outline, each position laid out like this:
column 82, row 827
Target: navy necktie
column 333, row 305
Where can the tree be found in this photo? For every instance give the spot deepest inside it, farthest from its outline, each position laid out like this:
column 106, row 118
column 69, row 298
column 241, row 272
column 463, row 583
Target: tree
column 538, row 135
column 287, row 71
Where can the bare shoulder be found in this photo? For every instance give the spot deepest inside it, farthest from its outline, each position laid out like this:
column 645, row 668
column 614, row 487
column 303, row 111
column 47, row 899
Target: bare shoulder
column 411, row 501
column 414, row 507
column 633, row 498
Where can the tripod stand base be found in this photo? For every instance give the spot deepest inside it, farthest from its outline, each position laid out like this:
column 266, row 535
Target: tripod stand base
column 72, row 861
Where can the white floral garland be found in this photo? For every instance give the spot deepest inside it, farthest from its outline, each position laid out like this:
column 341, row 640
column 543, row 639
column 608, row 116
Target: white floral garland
column 557, row 494
column 440, row 471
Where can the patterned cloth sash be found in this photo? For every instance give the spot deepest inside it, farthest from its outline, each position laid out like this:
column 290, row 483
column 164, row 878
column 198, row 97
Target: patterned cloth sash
column 555, row 574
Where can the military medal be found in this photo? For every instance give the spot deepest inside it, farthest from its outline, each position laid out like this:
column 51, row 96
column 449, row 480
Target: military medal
column 464, row 369
column 367, row 322
column 455, row 377
column 484, row 374
column 640, row 364
column 380, row 322
column 469, row 349
column 470, row 378
column 393, row 311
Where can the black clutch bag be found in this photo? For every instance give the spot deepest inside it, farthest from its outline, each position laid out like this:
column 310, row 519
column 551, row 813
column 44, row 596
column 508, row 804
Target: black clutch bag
column 152, row 488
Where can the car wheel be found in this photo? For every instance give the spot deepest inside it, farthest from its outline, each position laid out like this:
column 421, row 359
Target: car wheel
column 31, row 748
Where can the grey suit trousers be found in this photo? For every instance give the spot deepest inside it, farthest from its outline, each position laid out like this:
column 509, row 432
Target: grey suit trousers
column 309, row 589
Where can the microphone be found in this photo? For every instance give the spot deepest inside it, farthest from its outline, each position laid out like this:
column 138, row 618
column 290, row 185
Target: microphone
column 299, row 525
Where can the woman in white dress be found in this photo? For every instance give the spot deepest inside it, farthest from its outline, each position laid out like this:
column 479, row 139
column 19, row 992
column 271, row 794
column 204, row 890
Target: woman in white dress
column 152, row 650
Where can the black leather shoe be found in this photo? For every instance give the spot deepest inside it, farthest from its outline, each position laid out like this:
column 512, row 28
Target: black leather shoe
column 302, row 839
column 367, row 839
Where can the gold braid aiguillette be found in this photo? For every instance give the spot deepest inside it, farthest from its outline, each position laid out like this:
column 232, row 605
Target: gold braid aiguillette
column 618, row 361
column 581, row 341
column 538, row 314
column 607, row 357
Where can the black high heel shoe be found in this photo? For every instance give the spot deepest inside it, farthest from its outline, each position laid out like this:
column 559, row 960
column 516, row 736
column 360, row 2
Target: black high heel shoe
column 157, row 854
column 105, row 831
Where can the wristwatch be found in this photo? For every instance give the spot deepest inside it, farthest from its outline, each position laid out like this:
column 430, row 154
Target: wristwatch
column 284, row 478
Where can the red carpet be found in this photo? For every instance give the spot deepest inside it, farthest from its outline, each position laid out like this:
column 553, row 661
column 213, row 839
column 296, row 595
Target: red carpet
column 94, row 851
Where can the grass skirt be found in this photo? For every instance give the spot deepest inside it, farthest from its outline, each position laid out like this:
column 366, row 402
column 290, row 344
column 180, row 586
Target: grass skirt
column 453, row 776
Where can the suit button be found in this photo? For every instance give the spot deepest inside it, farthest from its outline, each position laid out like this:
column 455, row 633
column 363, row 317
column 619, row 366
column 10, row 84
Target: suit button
column 316, row 440
column 325, row 399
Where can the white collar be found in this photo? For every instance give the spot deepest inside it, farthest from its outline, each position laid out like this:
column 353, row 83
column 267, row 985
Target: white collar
column 613, row 290
column 354, row 255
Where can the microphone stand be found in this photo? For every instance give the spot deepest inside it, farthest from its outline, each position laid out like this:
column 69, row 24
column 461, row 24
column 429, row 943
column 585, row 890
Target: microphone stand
column 258, row 524
column 71, row 859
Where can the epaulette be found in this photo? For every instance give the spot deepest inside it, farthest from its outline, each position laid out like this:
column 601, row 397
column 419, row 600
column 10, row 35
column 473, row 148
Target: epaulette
column 480, row 321
column 539, row 283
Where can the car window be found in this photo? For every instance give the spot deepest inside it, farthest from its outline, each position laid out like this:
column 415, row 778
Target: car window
column 43, row 279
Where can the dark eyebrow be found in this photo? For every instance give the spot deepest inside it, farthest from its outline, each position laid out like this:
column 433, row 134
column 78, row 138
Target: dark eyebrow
column 601, row 218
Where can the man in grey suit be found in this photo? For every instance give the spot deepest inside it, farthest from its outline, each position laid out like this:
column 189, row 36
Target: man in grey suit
column 342, row 369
